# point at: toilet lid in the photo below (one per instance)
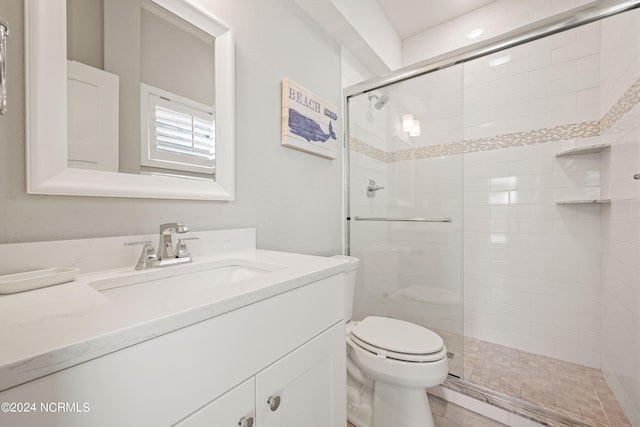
(401, 340)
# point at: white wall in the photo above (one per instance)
(190, 71)
(620, 67)
(369, 21)
(84, 26)
(361, 27)
(291, 197)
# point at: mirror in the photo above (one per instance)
(52, 158)
(145, 78)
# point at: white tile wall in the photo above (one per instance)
(526, 259)
(546, 83)
(620, 62)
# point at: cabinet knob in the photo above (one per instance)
(274, 402)
(246, 422)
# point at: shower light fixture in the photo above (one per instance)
(410, 125)
(407, 122)
(415, 130)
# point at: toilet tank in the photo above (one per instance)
(349, 284)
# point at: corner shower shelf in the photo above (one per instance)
(582, 201)
(588, 149)
(583, 150)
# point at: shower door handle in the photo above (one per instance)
(372, 188)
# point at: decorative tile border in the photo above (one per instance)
(630, 99)
(368, 150)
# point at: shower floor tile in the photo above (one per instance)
(571, 390)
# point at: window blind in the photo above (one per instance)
(184, 134)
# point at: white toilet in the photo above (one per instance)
(390, 363)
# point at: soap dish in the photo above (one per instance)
(29, 280)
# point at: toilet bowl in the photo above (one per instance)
(390, 363)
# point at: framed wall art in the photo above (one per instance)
(308, 121)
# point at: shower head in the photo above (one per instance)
(381, 100)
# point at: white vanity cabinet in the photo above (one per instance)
(214, 373)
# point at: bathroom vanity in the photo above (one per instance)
(238, 337)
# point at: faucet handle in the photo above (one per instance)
(181, 247)
(146, 255)
(147, 249)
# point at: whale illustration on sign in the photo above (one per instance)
(308, 128)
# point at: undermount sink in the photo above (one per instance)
(182, 279)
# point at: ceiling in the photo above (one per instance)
(410, 17)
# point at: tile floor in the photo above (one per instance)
(574, 391)
(446, 414)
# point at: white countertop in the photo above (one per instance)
(49, 329)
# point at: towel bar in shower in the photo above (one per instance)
(374, 218)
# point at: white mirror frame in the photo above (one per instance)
(46, 114)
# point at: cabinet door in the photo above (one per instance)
(306, 387)
(234, 408)
(92, 117)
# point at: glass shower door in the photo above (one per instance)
(405, 204)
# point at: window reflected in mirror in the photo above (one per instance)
(140, 90)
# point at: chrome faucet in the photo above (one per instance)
(165, 247)
(167, 254)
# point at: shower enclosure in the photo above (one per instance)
(482, 195)
(405, 208)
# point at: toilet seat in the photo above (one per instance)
(396, 339)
